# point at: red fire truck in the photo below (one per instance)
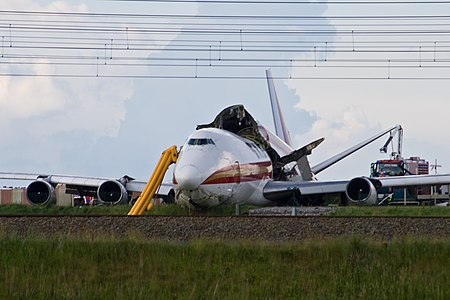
(399, 166)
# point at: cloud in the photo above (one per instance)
(349, 111)
(342, 128)
(69, 121)
(24, 97)
(33, 5)
(36, 111)
(74, 125)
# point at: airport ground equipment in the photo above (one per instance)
(396, 165)
(399, 167)
(144, 202)
(398, 130)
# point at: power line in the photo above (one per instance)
(223, 60)
(175, 23)
(214, 63)
(211, 16)
(207, 28)
(224, 31)
(247, 49)
(89, 41)
(359, 2)
(81, 40)
(197, 77)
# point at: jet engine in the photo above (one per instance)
(41, 192)
(112, 192)
(362, 191)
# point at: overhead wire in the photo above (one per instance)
(105, 38)
(223, 16)
(221, 77)
(278, 2)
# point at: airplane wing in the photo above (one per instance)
(54, 179)
(362, 190)
(409, 180)
(111, 191)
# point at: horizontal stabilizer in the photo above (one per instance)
(297, 154)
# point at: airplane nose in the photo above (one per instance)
(188, 177)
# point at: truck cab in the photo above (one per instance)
(401, 167)
(387, 167)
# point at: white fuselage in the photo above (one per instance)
(216, 166)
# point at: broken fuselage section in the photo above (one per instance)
(227, 161)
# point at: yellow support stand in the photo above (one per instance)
(144, 202)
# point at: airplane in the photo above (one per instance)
(234, 159)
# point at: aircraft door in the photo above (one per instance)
(237, 173)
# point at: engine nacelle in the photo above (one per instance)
(362, 191)
(112, 192)
(41, 192)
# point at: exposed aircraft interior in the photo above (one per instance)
(238, 120)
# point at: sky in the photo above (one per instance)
(109, 127)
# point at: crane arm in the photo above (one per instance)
(398, 130)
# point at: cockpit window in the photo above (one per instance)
(255, 148)
(200, 142)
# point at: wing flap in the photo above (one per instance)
(138, 186)
(278, 190)
(20, 176)
(76, 180)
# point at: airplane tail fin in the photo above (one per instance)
(280, 126)
(281, 129)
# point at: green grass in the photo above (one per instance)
(104, 268)
(17, 209)
(166, 209)
(223, 210)
(394, 211)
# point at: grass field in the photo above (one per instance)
(103, 268)
(395, 211)
(224, 210)
(170, 209)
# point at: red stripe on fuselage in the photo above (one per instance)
(241, 173)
